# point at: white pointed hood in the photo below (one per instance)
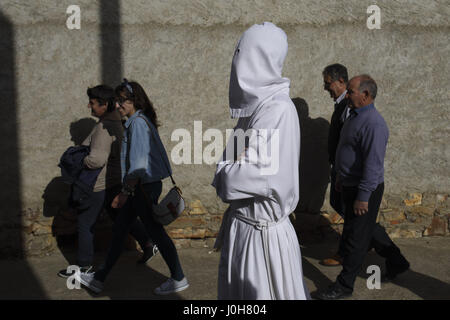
(256, 68)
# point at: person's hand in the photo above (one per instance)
(119, 200)
(360, 207)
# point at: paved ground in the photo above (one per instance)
(35, 278)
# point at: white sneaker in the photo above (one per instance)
(87, 279)
(65, 273)
(171, 286)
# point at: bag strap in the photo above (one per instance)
(152, 134)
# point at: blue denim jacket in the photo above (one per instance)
(142, 152)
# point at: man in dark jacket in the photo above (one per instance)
(335, 80)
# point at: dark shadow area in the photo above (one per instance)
(130, 281)
(12, 241)
(315, 275)
(64, 225)
(110, 36)
(80, 130)
(9, 161)
(126, 281)
(317, 249)
(426, 287)
(314, 169)
(56, 195)
(314, 166)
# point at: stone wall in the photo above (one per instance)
(180, 51)
(419, 215)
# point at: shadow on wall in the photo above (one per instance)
(12, 240)
(314, 166)
(80, 130)
(110, 36)
(56, 194)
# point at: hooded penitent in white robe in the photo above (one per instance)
(260, 257)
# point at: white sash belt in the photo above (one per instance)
(264, 226)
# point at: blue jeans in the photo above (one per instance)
(138, 206)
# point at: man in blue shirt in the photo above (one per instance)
(360, 178)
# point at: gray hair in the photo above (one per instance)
(368, 84)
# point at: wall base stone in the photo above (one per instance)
(32, 234)
(419, 215)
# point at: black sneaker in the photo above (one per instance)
(334, 292)
(65, 274)
(149, 253)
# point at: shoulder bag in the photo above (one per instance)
(172, 205)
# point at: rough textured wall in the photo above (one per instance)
(181, 51)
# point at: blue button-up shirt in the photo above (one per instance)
(143, 155)
(361, 150)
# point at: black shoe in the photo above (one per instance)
(64, 274)
(392, 271)
(333, 292)
(149, 253)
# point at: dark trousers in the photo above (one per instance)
(335, 199)
(137, 229)
(88, 217)
(360, 234)
(138, 206)
(86, 222)
(335, 196)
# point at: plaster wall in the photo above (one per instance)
(180, 51)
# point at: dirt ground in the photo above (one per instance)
(36, 278)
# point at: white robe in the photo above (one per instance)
(260, 257)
